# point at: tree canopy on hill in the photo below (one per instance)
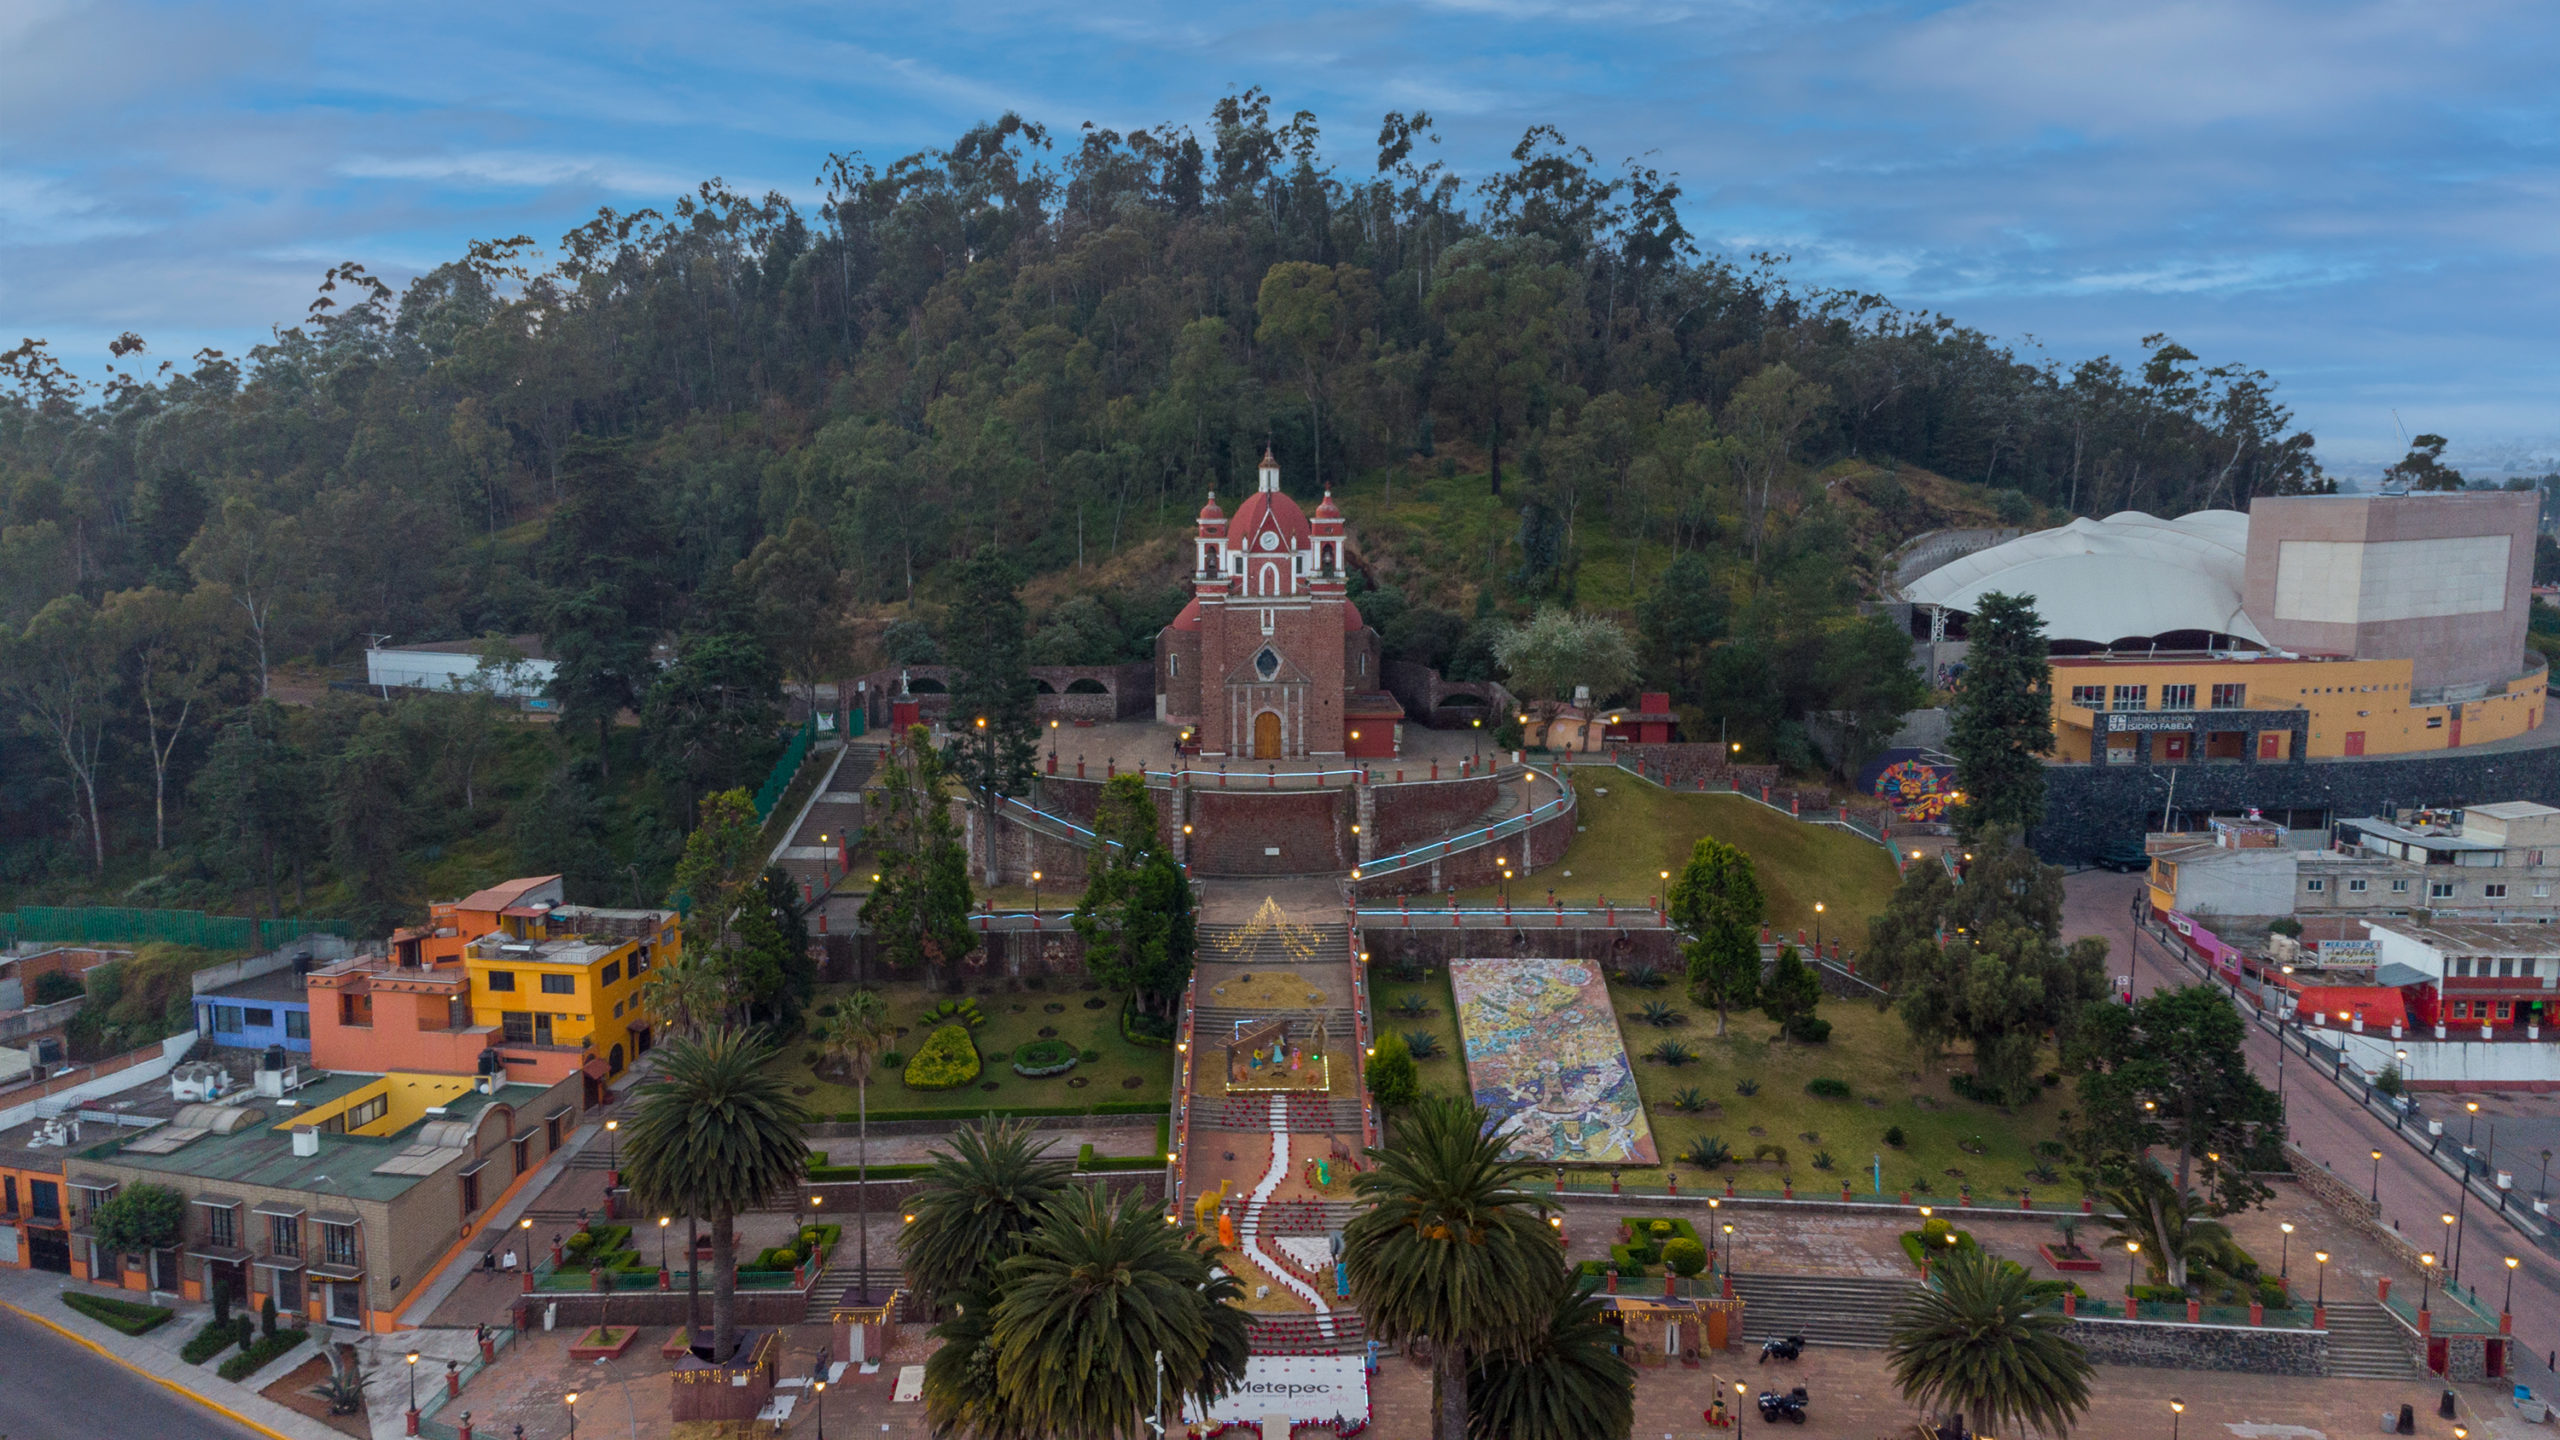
(725, 425)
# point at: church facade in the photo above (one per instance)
(1271, 659)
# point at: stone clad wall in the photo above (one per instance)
(1231, 830)
(1420, 810)
(2170, 1346)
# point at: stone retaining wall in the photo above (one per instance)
(2166, 1345)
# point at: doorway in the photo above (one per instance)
(49, 1250)
(1266, 735)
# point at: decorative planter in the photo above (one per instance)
(603, 1343)
(2082, 1263)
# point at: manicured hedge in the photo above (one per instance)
(1091, 1163)
(216, 1337)
(254, 1358)
(947, 1060)
(876, 1172)
(1007, 1112)
(125, 1315)
(1043, 1058)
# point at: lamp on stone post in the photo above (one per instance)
(1817, 929)
(2506, 1306)
(2284, 1262)
(663, 1221)
(1035, 892)
(612, 1154)
(2376, 1196)
(2132, 1251)
(2452, 1238)
(2426, 1284)
(2320, 1302)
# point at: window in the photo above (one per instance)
(559, 984)
(2524, 968)
(2461, 966)
(221, 1226)
(2494, 892)
(2177, 697)
(2230, 697)
(2315, 886)
(2435, 722)
(258, 1017)
(1173, 664)
(44, 1202)
(613, 973)
(2542, 890)
(2132, 697)
(2461, 1009)
(226, 1019)
(517, 1027)
(502, 980)
(2506, 969)
(1266, 663)
(2355, 887)
(359, 1116)
(639, 962)
(288, 1289)
(2092, 696)
(284, 1235)
(471, 1186)
(2439, 889)
(297, 1024)
(9, 1196)
(524, 1153)
(338, 1244)
(2399, 887)
(617, 1009)
(2506, 1009)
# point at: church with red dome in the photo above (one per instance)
(1271, 659)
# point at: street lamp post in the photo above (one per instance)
(2284, 1262)
(612, 1153)
(1035, 892)
(1817, 929)
(2426, 1279)
(524, 1229)
(818, 1386)
(412, 1358)
(2377, 1177)
(2132, 1252)
(2177, 1412)
(1475, 739)
(572, 1398)
(662, 1242)
(2321, 1259)
(2507, 1305)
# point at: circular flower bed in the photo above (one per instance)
(1043, 1058)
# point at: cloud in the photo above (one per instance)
(521, 170)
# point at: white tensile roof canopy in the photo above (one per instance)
(2128, 576)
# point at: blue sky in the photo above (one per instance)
(2362, 198)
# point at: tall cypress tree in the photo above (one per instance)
(992, 705)
(2003, 721)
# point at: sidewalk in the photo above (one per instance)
(34, 1294)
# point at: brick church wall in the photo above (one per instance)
(1231, 829)
(1416, 811)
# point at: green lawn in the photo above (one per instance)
(1012, 1022)
(1638, 830)
(1868, 1049)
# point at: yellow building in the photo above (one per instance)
(569, 976)
(2166, 708)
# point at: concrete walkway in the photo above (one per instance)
(34, 1295)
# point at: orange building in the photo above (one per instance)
(2168, 708)
(553, 988)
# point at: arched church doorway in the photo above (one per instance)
(1266, 735)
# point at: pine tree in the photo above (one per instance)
(1718, 902)
(2002, 724)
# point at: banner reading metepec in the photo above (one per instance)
(1309, 1389)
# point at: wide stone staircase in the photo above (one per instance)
(2367, 1344)
(841, 1278)
(1274, 946)
(1824, 1309)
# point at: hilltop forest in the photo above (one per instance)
(751, 441)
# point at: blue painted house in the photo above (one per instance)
(256, 1013)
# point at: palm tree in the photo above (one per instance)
(685, 994)
(1109, 1316)
(1980, 1341)
(1569, 1384)
(981, 1197)
(2178, 1238)
(1450, 1250)
(853, 1038)
(716, 1134)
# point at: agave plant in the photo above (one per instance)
(1689, 1100)
(1671, 1052)
(1659, 1015)
(1822, 1160)
(1707, 1152)
(1412, 1006)
(1422, 1043)
(1746, 1086)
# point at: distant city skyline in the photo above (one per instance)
(2357, 198)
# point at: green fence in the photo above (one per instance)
(786, 767)
(125, 925)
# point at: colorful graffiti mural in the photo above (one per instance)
(1915, 783)
(1544, 1057)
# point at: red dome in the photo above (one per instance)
(1328, 510)
(1211, 511)
(1282, 513)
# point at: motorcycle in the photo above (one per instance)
(1785, 1348)
(1790, 1406)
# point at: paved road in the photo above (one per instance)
(51, 1389)
(2329, 1126)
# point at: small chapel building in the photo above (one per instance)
(1271, 659)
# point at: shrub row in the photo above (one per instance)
(216, 1337)
(125, 1315)
(254, 1357)
(1007, 1112)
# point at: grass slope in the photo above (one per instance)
(1637, 830)
(1890, 1086)
(1013, 1021)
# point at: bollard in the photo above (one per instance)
(465, 1427)
(1275, 777)
(452, 1381)
(2384, 1290)
(1435, 769)
(2070, 1305)
(1079, 767)
(2257, 1313)
(2195, 1310)
(1613, 1282)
